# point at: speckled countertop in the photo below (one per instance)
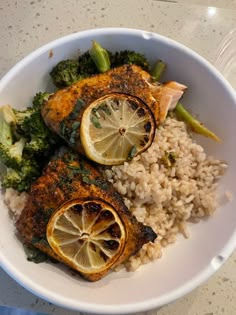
(27, 24)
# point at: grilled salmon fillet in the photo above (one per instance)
(65, 108)
(68, 177)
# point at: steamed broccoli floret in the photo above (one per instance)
(31, 126)
(26, 144)
(10, 151)
(20, 172)
(87, 66)
(65, 73)
(129, 57)
(11, 156)
(93, 61)
(39, 99)
(21, 115)
(21, 179)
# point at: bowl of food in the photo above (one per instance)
(117, 171)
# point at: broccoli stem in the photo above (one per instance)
(7, 117)
(100, 57)
(158, 70)
(193, 123)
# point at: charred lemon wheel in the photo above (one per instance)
(87, 235)
(115, 128)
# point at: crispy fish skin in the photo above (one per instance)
(63, 180)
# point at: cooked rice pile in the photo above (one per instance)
(173, 182)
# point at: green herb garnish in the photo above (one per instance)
(76, 110)
(97, 182)
(75, 125)
(105, 108)
(95, 122)
(78, 170)
(35, 255)
(168, 159)
(132, 153)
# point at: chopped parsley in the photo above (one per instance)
(35, 255)
(168, 159)
(104, 108)
(69, 127)
(76, 110)
(79, 170)
(132, 153)
(95, 122)
(97, 182)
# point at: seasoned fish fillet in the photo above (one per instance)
(68, 177)
(63, 111)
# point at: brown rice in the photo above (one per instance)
(167, 196)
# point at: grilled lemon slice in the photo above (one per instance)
(88, 235)
(115, 128)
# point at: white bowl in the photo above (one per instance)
(187, 263)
